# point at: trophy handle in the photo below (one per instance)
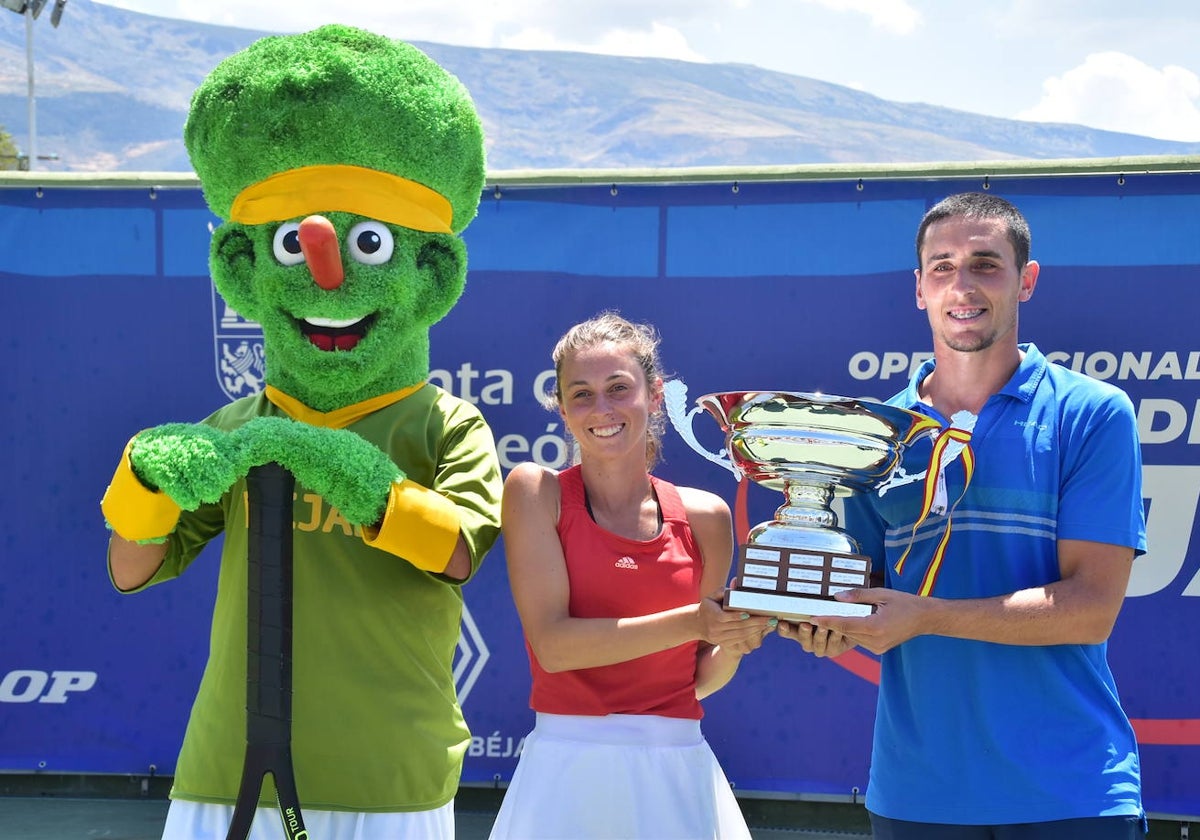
(675, 398)
(963, 421)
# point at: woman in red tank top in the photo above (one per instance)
(617, 576)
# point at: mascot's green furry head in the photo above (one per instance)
(344, 165)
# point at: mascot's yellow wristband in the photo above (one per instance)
(419, 524)
(135, 511)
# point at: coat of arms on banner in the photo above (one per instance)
(238, 348)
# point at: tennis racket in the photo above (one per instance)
(268, 653)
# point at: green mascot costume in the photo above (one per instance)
(344, 166)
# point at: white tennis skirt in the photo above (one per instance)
(204, 821)
(618, 777)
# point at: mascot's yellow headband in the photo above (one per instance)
(351, 189)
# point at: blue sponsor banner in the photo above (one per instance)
(789, 285)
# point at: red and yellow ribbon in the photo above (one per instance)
(936, 466)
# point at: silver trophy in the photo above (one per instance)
(813, 448)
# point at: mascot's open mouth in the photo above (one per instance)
(335, 334)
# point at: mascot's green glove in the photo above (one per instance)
(396, 515)
(350, 473)
(179, 466)
(165, 469)
(190, 462)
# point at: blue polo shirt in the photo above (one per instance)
(974, 732)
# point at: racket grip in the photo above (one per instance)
(269, 490)
(269, 603)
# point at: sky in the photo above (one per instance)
(1120, 65)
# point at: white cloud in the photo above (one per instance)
(894, 16)
(1117, 92)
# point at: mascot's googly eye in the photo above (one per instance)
(370, 243)
(287, 244)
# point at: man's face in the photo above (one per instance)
(970, 285)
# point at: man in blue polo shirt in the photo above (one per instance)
(1005, 566)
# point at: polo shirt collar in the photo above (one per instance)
(1021, 385)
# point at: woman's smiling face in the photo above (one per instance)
(606, 401)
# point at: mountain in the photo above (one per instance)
(112, 90)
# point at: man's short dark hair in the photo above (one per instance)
(974, 205)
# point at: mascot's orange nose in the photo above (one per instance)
(322, 252)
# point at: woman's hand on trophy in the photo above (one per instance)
(731, 630)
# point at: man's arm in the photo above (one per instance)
(1079, 608)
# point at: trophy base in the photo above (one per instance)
(790, 607)
(797, 582)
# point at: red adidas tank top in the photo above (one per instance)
(615, 577)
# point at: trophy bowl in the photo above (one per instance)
(813, 448)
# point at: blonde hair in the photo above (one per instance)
(641, 340)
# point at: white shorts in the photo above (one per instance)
(618, 776)
(204, 821)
